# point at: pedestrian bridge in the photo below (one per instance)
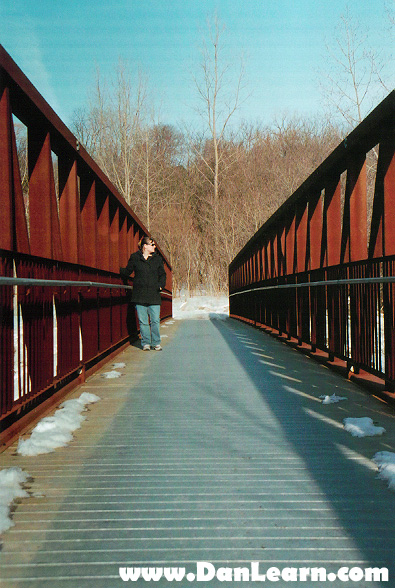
(217, 449)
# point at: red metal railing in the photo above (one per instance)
(317, 272)
(75, 228)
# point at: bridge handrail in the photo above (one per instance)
(383, 280)
(72, 283)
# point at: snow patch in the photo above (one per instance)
(362, 427)
(11, 480)
(111, 375)
(332, 399)
(385, 461)
(201, 307)
(56, 430)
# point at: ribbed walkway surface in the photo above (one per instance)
(217, 450)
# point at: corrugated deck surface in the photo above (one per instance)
(216, 449)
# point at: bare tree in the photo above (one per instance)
(354, 77)
(160, 146)
(390, 12)
(202, 203)
(221, 98)
(111, 126)
(388, 81)
(221, 95)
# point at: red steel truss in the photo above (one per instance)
(77, 228)
(317, 273)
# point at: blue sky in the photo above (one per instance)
(59, 43)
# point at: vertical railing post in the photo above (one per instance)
(45, 240)
(302, 294)
(14, 232)
(67, 300)
(356, 247)
(103, 233)
(385, 243)
(332, 247)
(6, 171)
(317, 296)
(356, 210)
(7, 241)
(332, 222)
(89, 221)
(69, 211)
(281, 236)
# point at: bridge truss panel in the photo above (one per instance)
(63, 221)
(334, 291)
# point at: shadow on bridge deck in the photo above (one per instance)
(216, 449)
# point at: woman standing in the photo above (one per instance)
(149, 280)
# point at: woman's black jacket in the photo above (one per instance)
(149, 277)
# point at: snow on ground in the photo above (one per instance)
(385, 461)
(362, 427)
(11, 480)
(201, 307)
(56, 431)
(332, 399)
(112, 374)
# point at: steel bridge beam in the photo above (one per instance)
(320, 236)
(63, 225)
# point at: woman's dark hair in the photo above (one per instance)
(145, 241)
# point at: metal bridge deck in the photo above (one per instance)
(216, 449)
